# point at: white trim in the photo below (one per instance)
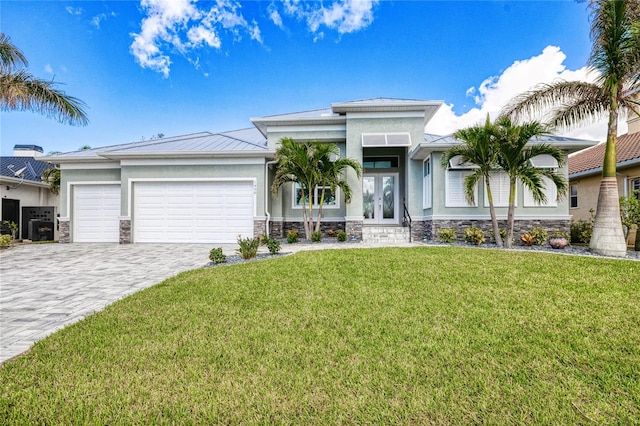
(91, 166)
(354, 218)
(427, 185)
(499, 217)
(309, 128)
(133, 180)
(193, 161)
(324, 219)
(387, 114)
(70, 194)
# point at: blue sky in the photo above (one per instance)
(180, 66)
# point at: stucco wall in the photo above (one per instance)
(441, 210)
(589, 187)
(68, 176)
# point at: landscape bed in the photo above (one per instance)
(421, 335)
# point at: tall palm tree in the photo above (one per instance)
(310, 165)
(21, 91)
(615, 56)
(514, 155)
(331, 168)
(478, 148)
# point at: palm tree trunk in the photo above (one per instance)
(608, 237)
(494, 219)
(305, 219)
(320, 204)
(511, 213)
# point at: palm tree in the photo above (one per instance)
(51, 176)
(21, 91)
(310, 165)
(331, 168)
(478, 148)
(514, 157)
(615, 56)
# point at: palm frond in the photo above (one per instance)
(21, 91)
(10, 56)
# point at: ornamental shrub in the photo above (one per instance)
(474, 235)
(273, 245)
(5, 240)
(581, 232)
(316, 236)
(216, 255)
(342, 236)
(292, 236)
(447, 235)
(527, 239)
(540, 235)
(248, 247)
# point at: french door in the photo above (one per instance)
(380, 198)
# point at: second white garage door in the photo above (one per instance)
(198, 212)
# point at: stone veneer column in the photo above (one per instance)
(276, 228)
(259, 227)
(65, 236)
(125, 230)
(354, 227)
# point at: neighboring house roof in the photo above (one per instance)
(31, 168)
(589, 161)
(243, 141)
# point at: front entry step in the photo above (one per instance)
(385, 234)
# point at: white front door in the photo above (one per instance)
(380, 198)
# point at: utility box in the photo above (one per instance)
(40, 230)
(45, 214)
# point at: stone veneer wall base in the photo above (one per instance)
(432, 227)
(64, 226)
(125, 231)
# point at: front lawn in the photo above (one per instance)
(425, 335)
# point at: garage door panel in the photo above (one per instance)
(96, 213)
(192, 211)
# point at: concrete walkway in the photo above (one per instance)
(45, 287)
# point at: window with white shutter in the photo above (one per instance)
(499, 190)
(549, 190)
(455, 189)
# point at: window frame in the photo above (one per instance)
(635, 186)
(427, 189)
(316, 196)
(573, 196)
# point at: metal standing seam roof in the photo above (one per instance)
(249, 139)
(627, 150)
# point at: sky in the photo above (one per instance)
(176, 67)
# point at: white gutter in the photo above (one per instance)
(266, 194)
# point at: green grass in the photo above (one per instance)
(428, 335)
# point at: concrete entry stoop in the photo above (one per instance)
(385, 234)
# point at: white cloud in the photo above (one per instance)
(182, 25)
(344, 16)
(97, 20)
(494, 92)
(48, 69)
(74, 10)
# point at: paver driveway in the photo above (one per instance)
(44, 287)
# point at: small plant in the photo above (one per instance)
(331, 233)
(5, 240)
(217, 256)
(273, 245)
(341, 236)
(559, 240)
(292, 236)
(447, 235)
(248, 247)
(581, 230)
(13, 227)
(316, 236)
(527, 239)
(474, 235)
(264, 239)
(541, 235)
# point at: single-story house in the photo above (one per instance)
(25, 197)
(213, 187)
(585, 171)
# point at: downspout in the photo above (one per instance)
(625, 186)
(266, 194)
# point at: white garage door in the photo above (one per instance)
(96, 209)
(199, 212)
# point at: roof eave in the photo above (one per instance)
(598, 170)
(13, 180)
(115, 155)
